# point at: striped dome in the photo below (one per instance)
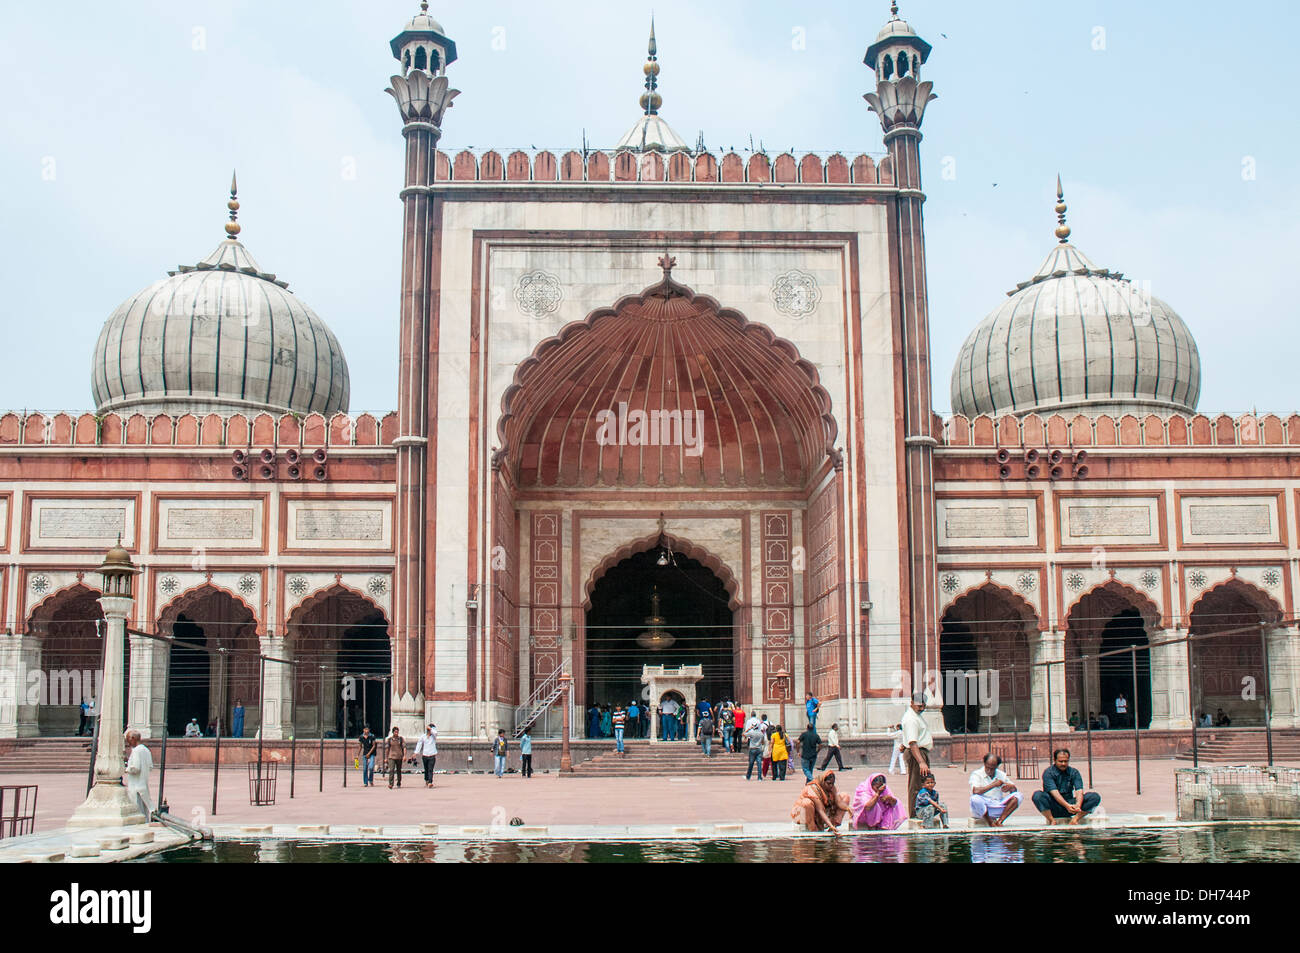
(1077, 337)
(223, 336)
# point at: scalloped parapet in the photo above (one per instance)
(188, 430)
(728, 168)
(1128, 430)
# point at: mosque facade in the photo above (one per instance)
(654, 375)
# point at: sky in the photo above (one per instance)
(1174, 131)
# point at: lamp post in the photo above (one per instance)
(783, 679)
(566, 757)
(107, 804)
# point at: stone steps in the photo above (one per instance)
(47, 756)
(672, 759)
(1245, 746)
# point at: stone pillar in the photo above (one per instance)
(147, 687)
(1284, 676)
(1050, 646)
(20, 656)
(277, 690)
(1170, 683)
(108, 804)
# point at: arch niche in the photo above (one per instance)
(698, 599)
(1234, 612)
(667, 393)
(1110, 618)
(71, 656)
(211, 619)
(988, 628)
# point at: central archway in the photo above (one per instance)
(697, 608)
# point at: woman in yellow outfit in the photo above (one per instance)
(780, 753)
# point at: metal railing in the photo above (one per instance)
(542, 698)
(17, 809)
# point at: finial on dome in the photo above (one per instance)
(424, 6)
(1062, 230)
(893, 10)
(232, 226)
(651, 100)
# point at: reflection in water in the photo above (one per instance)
(1220, 844)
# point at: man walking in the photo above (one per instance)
(917, 743)
(833, 747)
(395, 754)
(757, 738)
(526, 754)
(706, 734)
(634, 719)
(427, 749)
(499, 747)
(812, 706)
(809, 742)
(368, 744)
(620, 725)
(728, 725)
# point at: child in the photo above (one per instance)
(929, 809)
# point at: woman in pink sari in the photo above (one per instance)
(875, 808)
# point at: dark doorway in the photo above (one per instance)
(957, 653)
(694, 603)
(1115, 672)
(190, 679)
(366, 650)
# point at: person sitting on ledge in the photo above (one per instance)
(993, 798)
(874, 807)
(192, 730)
(1103, 721)
(1221, 719)
(1074, 721)
(1062, 795)
(1205, 721)
(820, 807)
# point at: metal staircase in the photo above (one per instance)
(542, 698)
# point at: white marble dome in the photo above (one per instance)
(1079, 338)
(218, 336)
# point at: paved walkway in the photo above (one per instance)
(550, 800)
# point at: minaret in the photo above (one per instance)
(899, 101)
(423, 95)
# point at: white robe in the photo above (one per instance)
(138, 769)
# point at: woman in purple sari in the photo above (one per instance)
(875, 808)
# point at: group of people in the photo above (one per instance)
(993, 797)
(394, 755)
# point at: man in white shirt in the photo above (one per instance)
(1121, 711)
(668, 727)
(896, 756)
(917, 743)
(192, 730)
(993, 798)
(427, 748)
(139, 764)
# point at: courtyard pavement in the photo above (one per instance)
(551, 800)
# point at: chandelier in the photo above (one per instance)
(656, 638)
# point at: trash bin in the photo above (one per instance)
(261, 782)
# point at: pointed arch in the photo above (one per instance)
(987, 628)
(762, 414)
(678, 544)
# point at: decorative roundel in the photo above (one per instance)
(795, 293)
(950, 583)
(248, 584)
(40, 583)
(538, 293)
(1075, 581)
(1150, 579)
(297, 586)
(1271, 578)
(169, 584)
(377, 586)
(1026, 582)
(1196, 579)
